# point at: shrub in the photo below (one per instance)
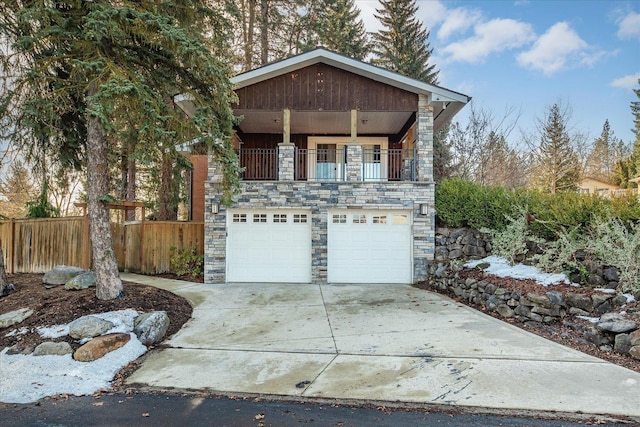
(618, 244)
(461, 203)
(185, 261)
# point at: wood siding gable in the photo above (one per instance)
(322, 87)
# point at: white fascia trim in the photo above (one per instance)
(348, 64)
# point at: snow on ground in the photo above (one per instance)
(500, 267)
(30, 378)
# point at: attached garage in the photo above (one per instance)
(269, 246)
(369, 247)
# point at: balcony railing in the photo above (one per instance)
(330, 164)
(260, 164)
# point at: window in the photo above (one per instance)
(279, 218)
(359, 219)
(239, 217)
(259, 217)
(300, 218)
(339, 219)
(400, 219)
(379, 219)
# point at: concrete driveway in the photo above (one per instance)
(374, 342)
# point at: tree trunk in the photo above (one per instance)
(264, 33)
(131, 179)
(5, 287)
(166, 209)
(108, 283)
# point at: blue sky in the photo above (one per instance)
(529, 54)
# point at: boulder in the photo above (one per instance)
(556, 298)
(622, 344)
(541, 300)
(616, 323)
(583, 302)
(635, 352)
(98, 347)
(505, 311)
(150, 328)
(88, 327)
(48, 348)
(60, 275)
(15, 316)
(81, 281)
(634, 337)
(611, 274)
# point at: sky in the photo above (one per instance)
(526, 55)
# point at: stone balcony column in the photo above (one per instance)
(286, 155)
(354, 162)
(424, 141)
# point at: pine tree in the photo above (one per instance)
(601, 160)
(556, 164)
(634, 167)
(339, 28)
(17, 188)
(79, 66)
(402, 44)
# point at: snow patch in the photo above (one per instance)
(605, 290)
(20, 331)
(590, 319)
(28, 378)
(500, 267)
(630, 298)
(55, 331)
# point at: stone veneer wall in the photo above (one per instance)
(321, 197)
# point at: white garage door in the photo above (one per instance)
(269, 246)
(369, 247)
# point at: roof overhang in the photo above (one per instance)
(446, 103)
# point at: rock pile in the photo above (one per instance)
(94, 333)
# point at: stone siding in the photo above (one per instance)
(321, 197)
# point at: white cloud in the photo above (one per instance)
(490, 37)
(431, 12)
(458, 21)
(627, 82)
(560, 47)
(629, 26)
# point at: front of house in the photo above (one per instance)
(338, 175)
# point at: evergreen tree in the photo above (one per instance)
(18, 188)
(402, 44)
(601, 161)
(556, 164)
(634, 167)
(79, 65)
(339, 28)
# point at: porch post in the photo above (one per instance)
(354, 125)
(354, 162)
(424, 140)
(286, 153)
(286, 126)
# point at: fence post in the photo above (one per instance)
(142, 243)
(11, 246)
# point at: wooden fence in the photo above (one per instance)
(38, 245)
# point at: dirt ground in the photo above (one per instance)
(569, 332)
(57, 306)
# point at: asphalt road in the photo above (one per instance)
(181, 410)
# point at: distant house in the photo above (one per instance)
(588, 185)
(338, 175)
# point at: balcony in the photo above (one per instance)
(343, 164)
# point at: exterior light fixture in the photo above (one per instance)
(424, 209)
(215, 208)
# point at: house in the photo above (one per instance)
(338, 183)
(589, 185)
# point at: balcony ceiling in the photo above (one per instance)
(324, 122)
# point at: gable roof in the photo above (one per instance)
(446, 102)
